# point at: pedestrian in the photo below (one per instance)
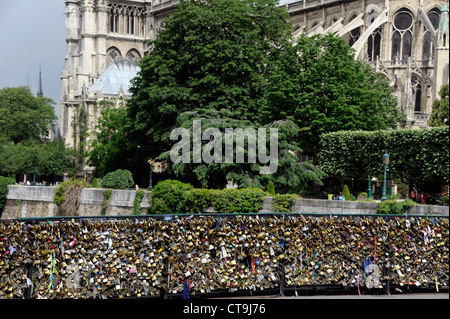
(424, 198)
(413, 195)
(341, 197)
(419, 197)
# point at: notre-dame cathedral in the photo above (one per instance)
(406, 41)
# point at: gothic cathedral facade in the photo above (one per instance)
(406, 41)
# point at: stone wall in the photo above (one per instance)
(35, 202)
(335, 207)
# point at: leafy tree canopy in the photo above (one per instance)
(25, 121)
(108, 147)
(233, 63)
(43, 158)
(211, 54)
(23, 116)
(322, 88)
(440, 108)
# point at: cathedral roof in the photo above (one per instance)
(117, 77)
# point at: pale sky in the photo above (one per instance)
(32, 33)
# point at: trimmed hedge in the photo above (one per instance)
(175, 197)
(392, 207)
(169, 197)
(230, 201)
(418, 156)
(120, 179)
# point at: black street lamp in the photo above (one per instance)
(385, 162)
(150, 183)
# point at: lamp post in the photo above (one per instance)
(369, 190)
(385, 162)
(150, 184)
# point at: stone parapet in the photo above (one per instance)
(37, 201)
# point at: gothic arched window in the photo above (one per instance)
(113, 55)
(434, 18)
(374, 44)
(130, 23)
(417, 93)
(354, 36)
(133, 56)
(402, 37)
(427, 45)
(113, 22)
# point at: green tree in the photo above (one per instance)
(211, 54)
(107, 151)
(25, 121)
(43, 158)
(232, 63)
(20, 158)
(290, 175)
(54, 158)
(23, 116)
(440, 108)
(212, 61)
(320, 86)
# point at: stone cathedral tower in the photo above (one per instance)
(102, 34)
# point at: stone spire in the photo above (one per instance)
(40, 93)
(442, 35)
(441, 60)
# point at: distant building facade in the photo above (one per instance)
(406, 41)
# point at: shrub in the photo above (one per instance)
(4, 182)
(282, 203)
(137, 202)
(444, 199)
(169, 197)
(95, 183)
(346, 193)
(363, 194)
(239, 201)
(271, 189)
(392, 207)
(229, 201)
(172, 197)
(200, 198)
(120, 179)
